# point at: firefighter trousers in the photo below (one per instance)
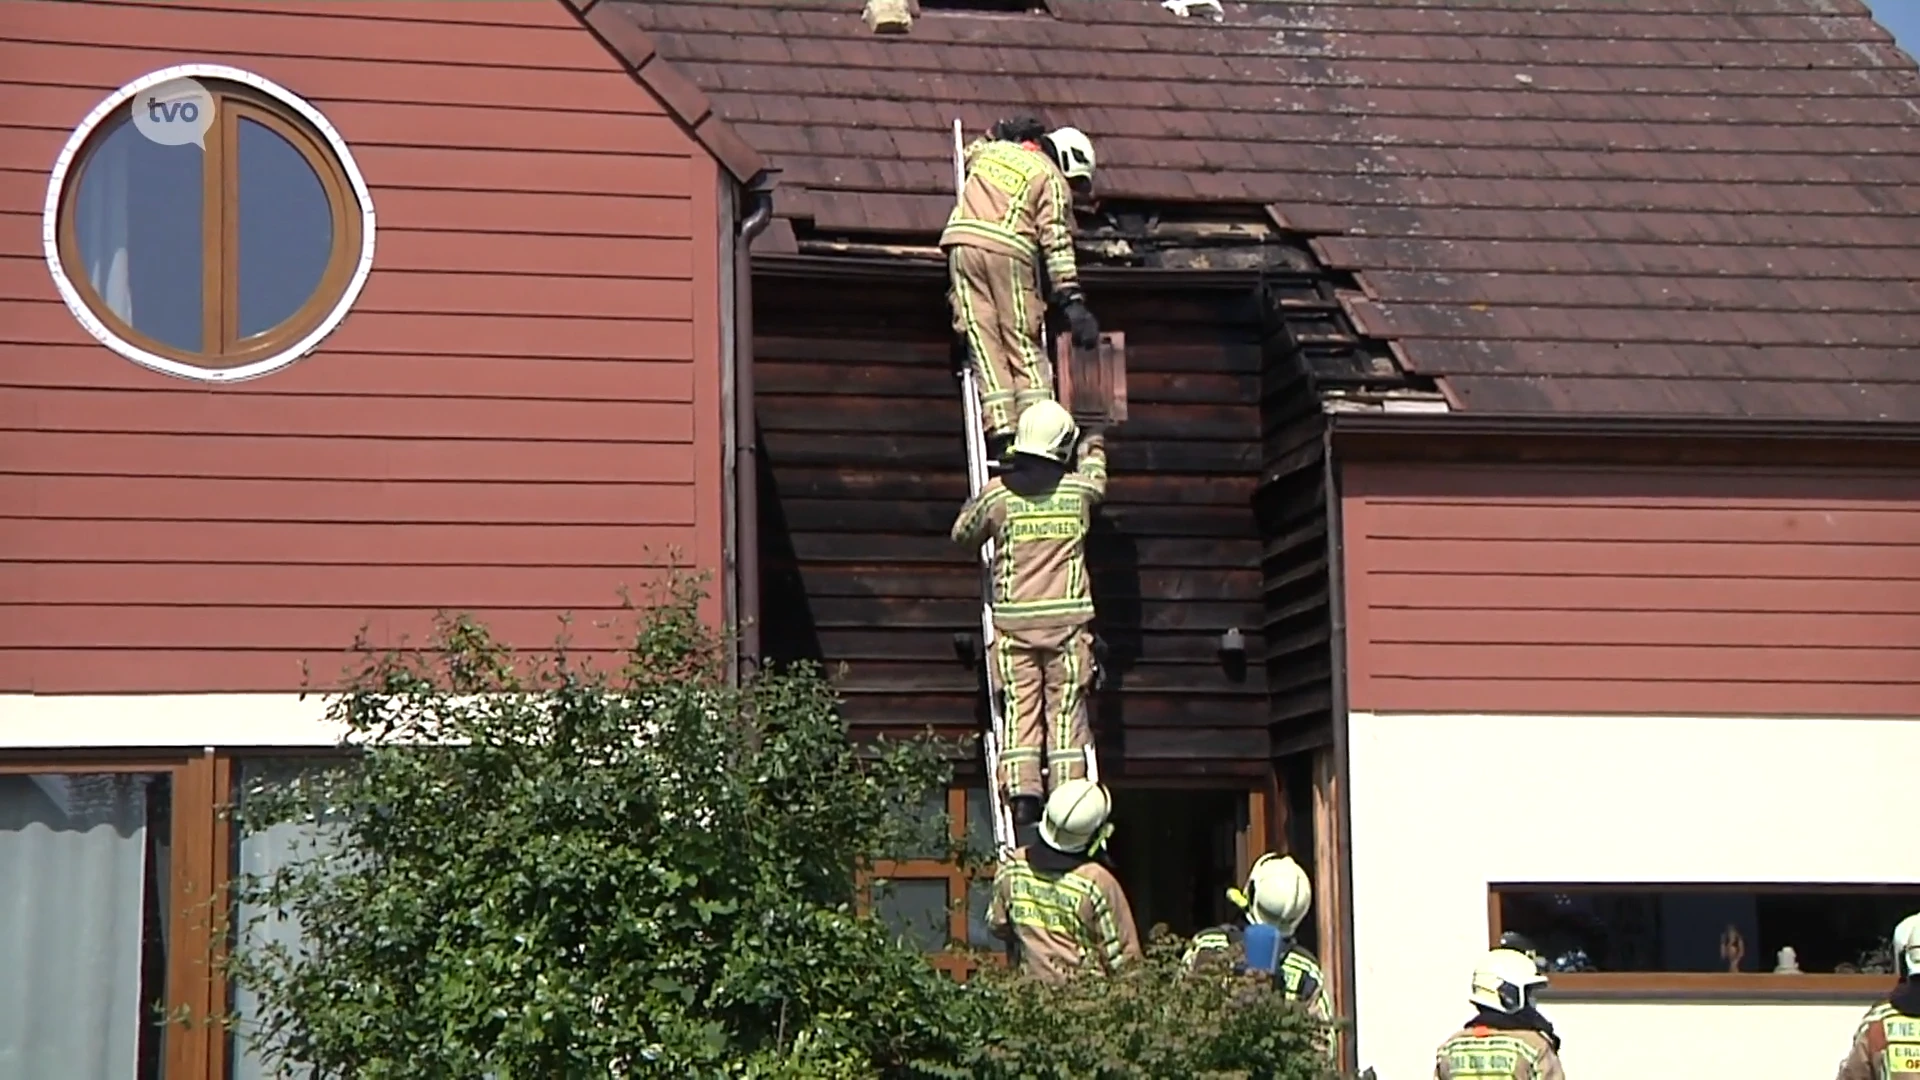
(998, 310)
(1043, 678)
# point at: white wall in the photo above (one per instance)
(39, 721)
(1444, 805)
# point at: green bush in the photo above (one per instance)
(1149, 1021)
(544, 873)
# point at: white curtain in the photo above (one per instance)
(263, 851)
(103, 207)
(72, 881)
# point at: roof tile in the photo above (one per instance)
(1675, 206)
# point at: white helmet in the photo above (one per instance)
(1073, 152)
(1278, 892)
(1506, 980)
(1046, 431)
(1906, 948)
(1076, 816)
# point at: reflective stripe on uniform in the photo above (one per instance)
(1483, 1054)
(1901, 1058)
(1052, 904)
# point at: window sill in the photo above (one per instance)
(1713, 986)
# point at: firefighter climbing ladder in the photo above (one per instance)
(1003, 837)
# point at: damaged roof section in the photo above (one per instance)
(1682, 207)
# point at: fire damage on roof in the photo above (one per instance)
(1705, 208)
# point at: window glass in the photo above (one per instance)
(915, 909)
(261, 848)
(979, 898)
(137, 221)
(979, 824)
(1831, 930)
(285, 229)
(929, 830)
(83, 863)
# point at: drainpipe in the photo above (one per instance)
(746, 455)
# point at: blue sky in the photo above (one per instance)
(1902, 20)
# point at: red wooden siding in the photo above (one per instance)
(521, 414)
(1646, 591)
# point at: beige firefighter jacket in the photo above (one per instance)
(1482, 1053)
(1016, 201)
(1040, 544)
(1886, 1046)
(1062, 913)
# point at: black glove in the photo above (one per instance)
(1086, 329)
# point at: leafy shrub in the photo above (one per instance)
(1151, 1020)
(539, 872)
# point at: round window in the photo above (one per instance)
(208, 224)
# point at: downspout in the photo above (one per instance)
(1342, 770)
(746, 434)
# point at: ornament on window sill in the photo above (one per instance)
(1789, 961)
(1733, 947)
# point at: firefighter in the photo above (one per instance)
(1278, 894)
(1009, 246)
(1054, 903)
(1038, 514)
(1887, 1044)
(1507, 1039)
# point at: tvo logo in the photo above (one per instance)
(174, 113)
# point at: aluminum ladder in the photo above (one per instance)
(1003, 835)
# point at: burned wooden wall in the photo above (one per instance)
(863, 470)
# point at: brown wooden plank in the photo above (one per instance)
(528, 13)
(1654, 592)
(908, 416)
(532, 253)
(937, 517)
(129, 498)
(1886, 562)
(326, 459)
(173, 671)
(897, 676)
(931, 378)
(1707, 522)
(270, 32)
(1597, 691)
(1779, 666)
(455, 291)
(269, 584)
(1745, 629)
(853, 613)
(1241, 743)
(1124, 490)
(882, 550)
(183, 542)
(935, 645)
(330, 372)
(265, 413)
(40, 324)
(294, 629)
(659, 217)
(344, 77)
(525, 170)
(958, 709)
(1695, 486)
(427, 292)
(961, 581)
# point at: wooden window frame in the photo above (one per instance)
(962, 957)
(222, 348)
(196, 882)
(1727, 985)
